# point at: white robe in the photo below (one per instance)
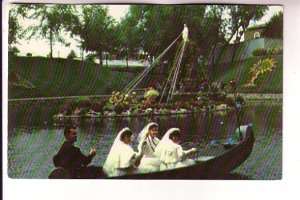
(173, 156)
(170, 154)
(149, 162)
(122, 163)
(121, 158)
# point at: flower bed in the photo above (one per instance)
(210, 98)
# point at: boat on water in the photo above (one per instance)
(216, 164)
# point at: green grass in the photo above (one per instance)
(267, 83)
(61, 77)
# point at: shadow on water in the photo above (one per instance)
(235, 176)
(230, 176)
(33, 139)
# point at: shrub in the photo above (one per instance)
(269, 51)
(72, 55)
(13, 51)
(259, 52)
(90, 57)
(151, 94)
(274, 51)
(98, 105)
(274, 28)
(120, 107)
(29, 54)
(83, 102)
(67, 107)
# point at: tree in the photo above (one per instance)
(129, 33)
(152, 28)
(52, 20)
(14, 28)
(13, 51)
(71, 55)
(95, 29)
(239, 20)
(91, 57)
(274, 28)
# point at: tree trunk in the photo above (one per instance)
(82, 54)
(82, 50)
(106, 57)
(51, 43)
(100, 58)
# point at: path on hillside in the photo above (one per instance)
(55, 98)
(246, 96)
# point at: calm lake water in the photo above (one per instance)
(33, 139)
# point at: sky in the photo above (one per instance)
(34, 46)
(117, 11)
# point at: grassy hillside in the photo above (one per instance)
(271, 82)
(61, 77)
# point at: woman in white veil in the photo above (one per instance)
(170, 153)
(147, 138)
(122, 159)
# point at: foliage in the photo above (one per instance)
(29, 54)
(259, 52)
(269, 51)
(83, 102)
(13, 27)
(151, 94)
(261, 67)
(15, 30)
(13, 51)
(144, 29)
(120, 101)
(90, 57)
(95, 28)
(211, 94)
(72, 54)
(67, 107)
(274, 28)
(97, 105)
(274, 51)
(239, 19)
(52, 20)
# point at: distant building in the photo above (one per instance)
(254, 32)
(253, 39)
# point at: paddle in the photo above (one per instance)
(237, 106)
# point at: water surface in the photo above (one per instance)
(33, 139)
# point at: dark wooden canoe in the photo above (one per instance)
(217, 167)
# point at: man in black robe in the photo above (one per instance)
(72, 159)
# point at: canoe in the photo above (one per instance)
(206, 167)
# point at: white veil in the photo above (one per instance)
(143, 134)
(165, 141)
(118, 155)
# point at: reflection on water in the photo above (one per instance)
(33, 140)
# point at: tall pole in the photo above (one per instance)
(236, 105)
